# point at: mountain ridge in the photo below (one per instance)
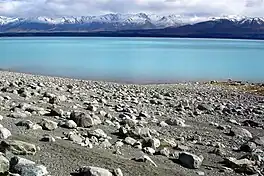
(137, 25)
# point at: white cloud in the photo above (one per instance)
(95, 7)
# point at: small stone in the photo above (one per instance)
(4, 164)
(75, 138)
(176, 122)
(18, 115)
(163, 124)
(29, 125)
(240, 132)
(92, 108)
(4, 133)
(47, 138)
(106, 144)
(119, 144)
(1, 117)
(144, 158)
(99, 133)
(70, 124)
(200, 173)
(94, 171)
(149, 150)
(48, 125)
(190, 160)
(165, 152)
(130, 141)
(118, 172)
(182, 148)
(248, 147)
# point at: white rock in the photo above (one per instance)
(94, 171)
(4, 133)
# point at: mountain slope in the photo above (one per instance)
(136, 25)
(109, 22)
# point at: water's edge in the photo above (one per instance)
(131, 81)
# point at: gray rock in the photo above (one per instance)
(26, 167)
(47, 138)
(75, 138)
(99, 133)
(248, 147)
(163, 124)
(259, 141)
(4, 164)
(29, 125)
(118, 172)
(176, 122)
(18, 147)
(130, 141)
(70, 124)
(149, 150)
(144, 158)
(165, 152)
(241, 165)
(204, 107)
(82, 119)
(190, 161)
(1, 117)
(18, 115)
(240, 132)
(94, 171)
(91, 108)
(48, 124)
(4, 133)
(105, 144)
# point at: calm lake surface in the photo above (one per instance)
(135, 59)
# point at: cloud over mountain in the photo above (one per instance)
(96, 7)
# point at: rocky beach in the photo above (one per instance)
(61, 126)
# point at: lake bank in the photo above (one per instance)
(179, 117)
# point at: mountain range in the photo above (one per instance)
(140, 24)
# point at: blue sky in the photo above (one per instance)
(96, 7)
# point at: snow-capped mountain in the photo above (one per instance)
(117, 22)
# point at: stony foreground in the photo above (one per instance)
(58, 126)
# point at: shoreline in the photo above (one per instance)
(144, 81)
(91, 35)
(141, 129)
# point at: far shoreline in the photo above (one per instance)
(135, 34)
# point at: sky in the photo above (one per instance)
(26, 8)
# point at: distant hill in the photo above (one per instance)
(131, 25)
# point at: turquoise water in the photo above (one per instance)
(135, 58)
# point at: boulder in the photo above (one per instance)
(18, 147)
(26, 167)
(190, 160)
(82, 119)
(240, 165)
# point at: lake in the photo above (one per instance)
(135, 59)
